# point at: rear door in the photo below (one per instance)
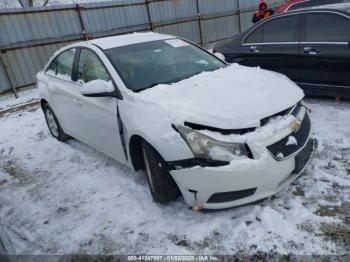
(64, 91)
(325, 53)
(274, 46)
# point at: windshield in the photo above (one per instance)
(145, 65)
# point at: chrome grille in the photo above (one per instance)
(281, 150)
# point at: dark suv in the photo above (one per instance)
(310, 46)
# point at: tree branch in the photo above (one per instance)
(20, 2)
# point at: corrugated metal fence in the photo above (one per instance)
(28, 37)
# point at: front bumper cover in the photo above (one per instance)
(246, 181)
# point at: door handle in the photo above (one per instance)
(255, 49)
(311, 50)
(77, 101)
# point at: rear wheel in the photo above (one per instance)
(162, 186)
(53, 124)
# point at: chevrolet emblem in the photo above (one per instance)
(296, 126)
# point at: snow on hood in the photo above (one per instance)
(233, 97)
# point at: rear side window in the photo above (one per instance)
(277, 30)
(281, 30)
(52, 66)
(91, 68)
(62, 65)
(326, 28)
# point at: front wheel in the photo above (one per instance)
(162, 186)
(53, 124)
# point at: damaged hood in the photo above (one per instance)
(233, 97)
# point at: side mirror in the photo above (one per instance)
(98, 88)
(220, 56)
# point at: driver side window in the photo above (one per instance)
(91, 68)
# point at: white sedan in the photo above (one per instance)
(222, 135)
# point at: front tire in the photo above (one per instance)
(53, 124)
(161, 184)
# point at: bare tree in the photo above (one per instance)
(31, 3)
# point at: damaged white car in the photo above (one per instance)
(222, 135)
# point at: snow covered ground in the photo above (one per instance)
(58, 198)
(9, 100)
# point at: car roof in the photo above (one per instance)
(338, 6)
(342, 7)
(128, 39)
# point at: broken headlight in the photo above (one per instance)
(205, 147)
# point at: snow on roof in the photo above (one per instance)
(128, 39)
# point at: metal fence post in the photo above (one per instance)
(199, 17)
(149, 15)
(239, 17)
(7, 75)
(77, 8)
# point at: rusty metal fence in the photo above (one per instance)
(28, 37)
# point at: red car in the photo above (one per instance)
(290, 5)
(287, 5)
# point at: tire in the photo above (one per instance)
(161, 184)
(53, 124)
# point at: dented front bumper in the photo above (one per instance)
(229, 186)
(248, 180)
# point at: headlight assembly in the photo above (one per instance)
(205, 147)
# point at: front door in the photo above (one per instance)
(274, 45)
(325, 53)
(98, 120)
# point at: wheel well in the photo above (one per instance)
(43, 102)
(135, 147)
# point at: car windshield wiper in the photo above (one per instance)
(169, 82)
(150, 86)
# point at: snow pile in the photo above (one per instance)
(292, 141)
(95, 86)
(129, 39)
(274, 125)
(280, 155)
(220, 153)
